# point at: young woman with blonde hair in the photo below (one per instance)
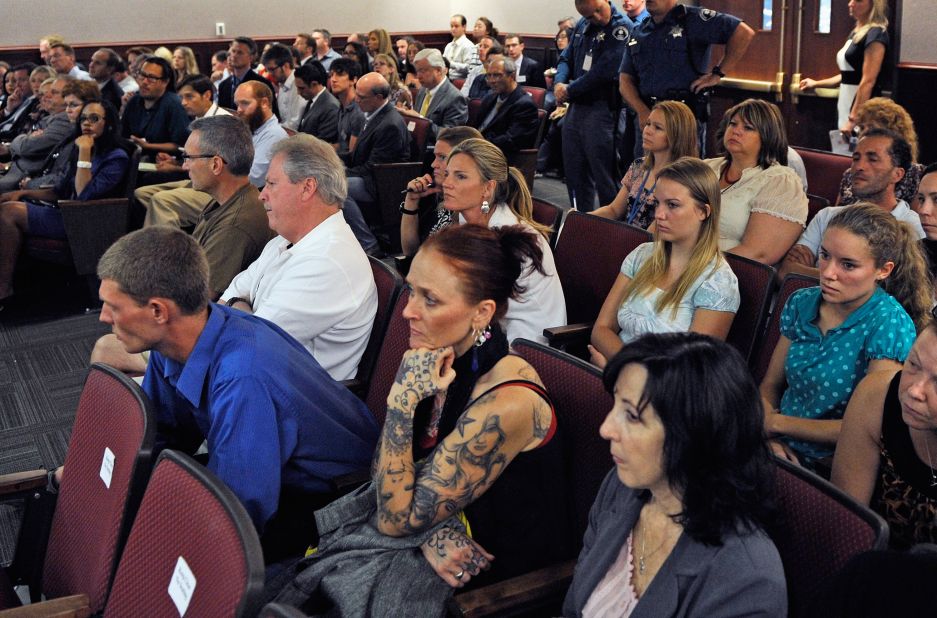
(679, 282)
(669, 134)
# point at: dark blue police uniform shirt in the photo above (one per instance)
(605, 45)
(658, 55)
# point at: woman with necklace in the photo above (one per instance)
(670, 133)
(886, 451)
(679, 282)
(874, 288)
(764, 207)
(678, 526)
(860, 62)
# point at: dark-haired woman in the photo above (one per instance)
(678, 526)
(469, 443)
(98, 167)
(359, 53)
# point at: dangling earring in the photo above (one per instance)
(486, 208)
(481, 336)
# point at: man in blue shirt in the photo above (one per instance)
(585, 78)
(668, 57)
(154, 117)
(277, 427)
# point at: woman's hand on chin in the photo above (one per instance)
(424, 372)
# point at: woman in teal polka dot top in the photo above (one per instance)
(874, 293)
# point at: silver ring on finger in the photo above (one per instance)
(460, 574)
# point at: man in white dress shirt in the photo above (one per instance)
(460, 51)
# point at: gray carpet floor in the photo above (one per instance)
(43, 363)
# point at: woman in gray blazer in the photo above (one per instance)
(678, 526)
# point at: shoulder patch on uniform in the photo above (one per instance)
(707, 14)
(620, 33)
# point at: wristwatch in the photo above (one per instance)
(717, 70)
(403, 209)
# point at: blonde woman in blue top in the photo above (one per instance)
(874, 293)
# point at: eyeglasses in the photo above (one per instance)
(149, 77)
(186, 156)
(92, 118)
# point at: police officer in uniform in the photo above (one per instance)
(668, 55)
(585, 78)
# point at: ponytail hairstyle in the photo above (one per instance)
(489, 261)
(893, 241)
(511, 188)
(703, 185)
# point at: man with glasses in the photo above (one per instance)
(154, 117)
(438, 101)
(29, 151)
(278, 60)
(62, 59)
(508, 115)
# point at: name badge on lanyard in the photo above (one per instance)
(587, 62)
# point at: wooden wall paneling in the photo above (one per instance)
(915, 85)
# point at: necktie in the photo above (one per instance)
(425, 107)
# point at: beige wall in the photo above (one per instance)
(129, 20)
(917, 32)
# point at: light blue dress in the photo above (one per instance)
(717, 289)
(822, 371)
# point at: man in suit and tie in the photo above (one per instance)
(384, 139)
(529, 71)
(438, 100)
(320, 116)
(241, 56)
(508, 116)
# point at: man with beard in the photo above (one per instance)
(154, 118)
(879, 162)
(254, 101)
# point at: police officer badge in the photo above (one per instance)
(620, 33)
(707, 14)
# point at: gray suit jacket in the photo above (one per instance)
(447, 108)
(743, 577)
(30, 151)
(321, 119)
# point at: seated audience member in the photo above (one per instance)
(879, 163)
(668, 135)
(874, 290)
(764, 207)
(384, 139)
(342, 76)
(413, 49)
(489, 447)
(482, 189)
(412, 82)
(153, 117)
(679, 282)
(254, 102)
(219, 67)
(45, 46)
(483, 28)
(320, 114)
(97, 167)
(417, 223)
(324, 52)
(29, 150)
(378, 42)
(882, 113)
(36, 77)
(460, 50)
(529, 71)
(241, 55)
(401, 45)
(177, 203)
(476, 86)
(277, 427)
(58, 163)
(678, 526)
(508, 116)
(438, 101)
(358, 53)
(925, 205)
(279, 63)
(313, 280)
(399, 95)
(304, 46)
(232, 228)
(124, 79)
(136, 53)
(882, 456)
(62, 59)
(104, 63)
(183, 64)
(14, 118)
